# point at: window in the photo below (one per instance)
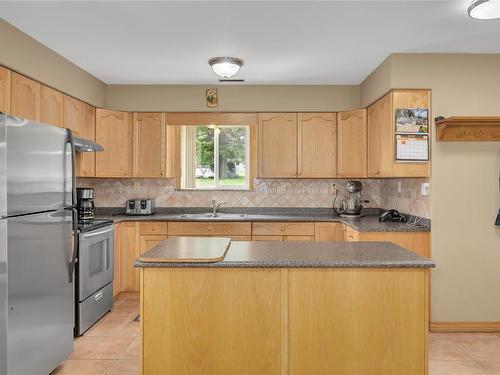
(215, 157)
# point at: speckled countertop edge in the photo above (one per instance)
(368, 223)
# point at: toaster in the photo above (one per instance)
(140, 207)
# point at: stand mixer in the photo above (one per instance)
(351, 207)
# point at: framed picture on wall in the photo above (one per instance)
(212, 98)
(412, 120)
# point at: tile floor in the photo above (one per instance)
(111, 347)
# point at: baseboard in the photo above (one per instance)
(465, 327)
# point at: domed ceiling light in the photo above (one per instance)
(485, 9)
(225, 67)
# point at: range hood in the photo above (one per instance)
(86, 145)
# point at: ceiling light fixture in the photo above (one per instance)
(225, 67)
(485, 9)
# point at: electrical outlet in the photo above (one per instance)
(334, 188)
(425, 188)
(137, 186)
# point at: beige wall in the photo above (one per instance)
(377, 83)
(25, 55)
(464, 182)
(238, 98)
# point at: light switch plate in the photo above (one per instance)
(425, 188)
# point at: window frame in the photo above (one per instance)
(217, 185)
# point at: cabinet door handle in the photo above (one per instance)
(209, 228)
(282, 229)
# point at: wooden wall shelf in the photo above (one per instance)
(468, 129)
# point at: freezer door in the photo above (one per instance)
(35, 167)
(40, 294)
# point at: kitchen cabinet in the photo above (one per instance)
(282, 231)
(51, 106)
(418, 242)
(317, 142)
(352, 144)
(85, 161)
(351, 234)
(117, 287)
(234, 230)
(73, 115)
(5, 84)
(129, 249)
(149, 145)
(329, 231)
(114, 133)
(380, 138)
(25, 97)
(277, 145)
(381, 134)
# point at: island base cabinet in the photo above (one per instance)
(357, 321)
(211, 321)
(288, 321)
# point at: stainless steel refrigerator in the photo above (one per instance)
(37, 253)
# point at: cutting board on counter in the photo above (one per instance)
(188, 249)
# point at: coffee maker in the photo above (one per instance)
(351, 207)
(85, 205)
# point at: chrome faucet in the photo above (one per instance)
(216, 205)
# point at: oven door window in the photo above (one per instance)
(95, 263)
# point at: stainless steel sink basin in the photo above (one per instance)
(217, 216)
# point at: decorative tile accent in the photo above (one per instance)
(266, 193)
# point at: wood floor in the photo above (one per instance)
(111, 347)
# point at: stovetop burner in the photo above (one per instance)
(86, 226)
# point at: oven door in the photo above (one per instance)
(95, 261)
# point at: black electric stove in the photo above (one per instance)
(87, 226)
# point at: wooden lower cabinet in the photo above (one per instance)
(360, 321)
(117, 262)
(329, 232)
(418, 242)
(227, 229)
(282, 238)
(250, 321)
(129, 248)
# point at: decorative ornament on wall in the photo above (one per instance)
(212, 98)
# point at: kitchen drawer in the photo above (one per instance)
(298, 238)
(267, 238)
(283, 229)
(209, 229)
(153, 227)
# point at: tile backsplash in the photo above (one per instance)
(266, 193)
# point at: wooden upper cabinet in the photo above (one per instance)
(351, 144)
(85, 161)
(25, 97)
(411, 99)
(5, 83)
(149, 145)
(51, 106)
(277, 145)
(317, 145)
(73, 116)
(380, 138)
(114, 133)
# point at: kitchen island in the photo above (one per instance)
(284, 308)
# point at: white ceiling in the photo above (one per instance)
(282, 42)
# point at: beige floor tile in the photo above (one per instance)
(133, 350)
(443, 348)
(125, 367)
(89, 347)
(116, 326)
(83, 367)
(455, 368)
(492, 366)
(481, 346)
(127, 306)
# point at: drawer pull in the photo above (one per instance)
(98, 296)
(282, 229)
(209, 228)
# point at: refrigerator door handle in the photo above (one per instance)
(73, 205)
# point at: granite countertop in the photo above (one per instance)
(275, 254)
(368, 223)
